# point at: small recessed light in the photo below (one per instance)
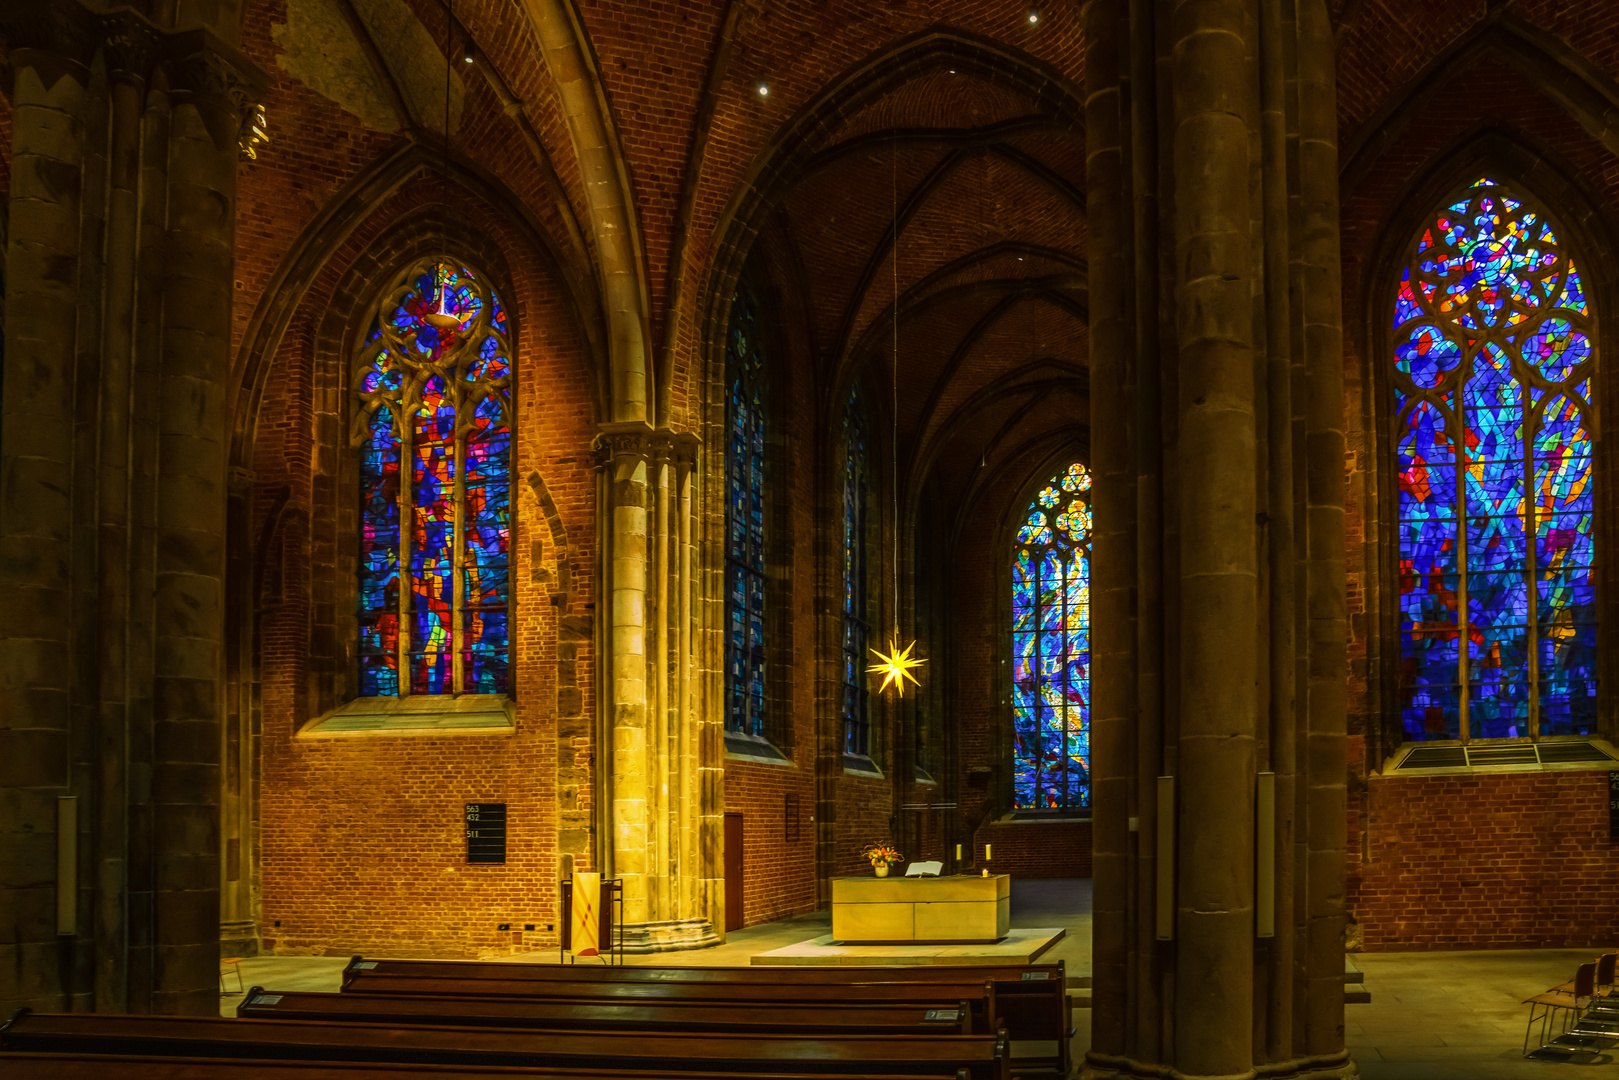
(764, 89)
(1034, 16)
(467, 58)
(952, 71)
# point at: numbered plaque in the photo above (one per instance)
(1613, 805)
(486, 832)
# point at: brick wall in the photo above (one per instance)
(362, 836)
(1508, 860)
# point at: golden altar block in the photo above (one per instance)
(921, 910)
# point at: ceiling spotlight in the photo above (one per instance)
(764, 89)
(1034, 16)
(467, 58)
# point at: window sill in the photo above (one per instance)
(1481, 757)
(862, 766)
(424, 714)
(1045, 817)
(754, 748)
(920, 775)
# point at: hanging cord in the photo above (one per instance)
(893, 414)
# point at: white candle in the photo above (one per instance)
(958, 851)
(986, 853)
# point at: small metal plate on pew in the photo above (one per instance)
(365, 965)
(486, 832)
(942, 1014)
(1036, 976)
(265, 999)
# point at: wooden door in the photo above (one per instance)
(733, 872)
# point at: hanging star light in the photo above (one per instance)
(895, 665)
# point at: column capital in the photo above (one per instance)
(132, 45)
(634, 439)
(226, 86)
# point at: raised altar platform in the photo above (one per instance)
(1020, 946)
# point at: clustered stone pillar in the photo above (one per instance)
(119, 268)
(1218, 605)
(661, 790)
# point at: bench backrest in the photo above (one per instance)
(874, 1018)
(1008, 978)
(984, 1057)
(37, 1066)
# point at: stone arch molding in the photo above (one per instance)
(610, 200)
(1590, 229)
(323, 239)
(1583, 91)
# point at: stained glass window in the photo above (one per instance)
(856, 443)
(433, 427)
(1494, 355)
(745, 521)
(1051, 647)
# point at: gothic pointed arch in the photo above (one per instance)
(1491, 390)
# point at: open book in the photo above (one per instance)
(924, 869)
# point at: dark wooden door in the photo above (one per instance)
(733, 872)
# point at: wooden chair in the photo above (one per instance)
(1565, 1003)
(230, 965)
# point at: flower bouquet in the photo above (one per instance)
(882, 856)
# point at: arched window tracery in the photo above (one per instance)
(856, 628)
(745, 420)
(433, 425)
(1494, 358)
(1051, 648)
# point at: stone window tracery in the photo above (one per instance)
(1051, 647)
(433, 426)
(745, 419)
(1492, 371)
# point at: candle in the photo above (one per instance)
(986, 853)
(958, 851)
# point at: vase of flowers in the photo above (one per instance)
(882, 856)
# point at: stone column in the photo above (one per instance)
(49, 77)
(119, 259)
(1219, 579)
(662, 806)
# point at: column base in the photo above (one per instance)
(239, 938)
(671, 935)
(1339, 1066)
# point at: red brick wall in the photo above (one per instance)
(362, 836)
(1509, 860)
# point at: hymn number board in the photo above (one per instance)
(1613, 805)
(486, 832)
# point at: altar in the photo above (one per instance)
(921, 910)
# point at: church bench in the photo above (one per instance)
(1032, 1000)
(980, 995)
(982, 1057)
(873, 1018)
(70, 1066)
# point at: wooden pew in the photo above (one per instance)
(981, 1057)
(872, 1018)
(39, 1066)
(1033, 1002)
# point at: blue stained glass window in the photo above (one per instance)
(856, 630)
(433, 427)
(745, 521)
(1494, 357)
(1051, 647)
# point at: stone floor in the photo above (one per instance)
(1432, 1015)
